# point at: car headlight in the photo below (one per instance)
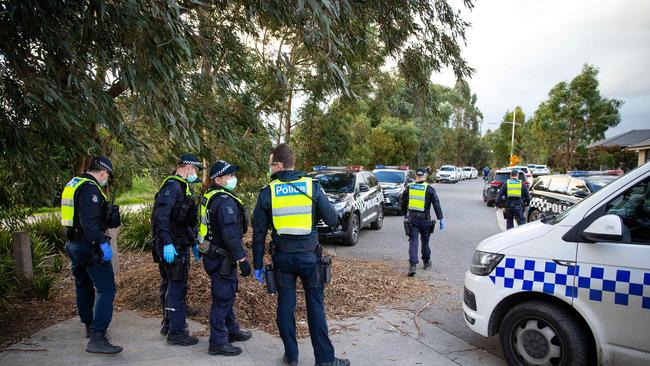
(339, 206)
(483, 262)
(391, 190)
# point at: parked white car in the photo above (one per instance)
(541, 170)
(527, 173)
(470, 172)
(572, 288)
(460, 174)
(447, 173)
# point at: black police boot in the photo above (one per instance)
(225, 350)
(411, 270)
(164, 330)
(285, 361)
(240, 336)
(336, 362)
(181, 338)
(89, 332)
(99, 343)
(427, 264)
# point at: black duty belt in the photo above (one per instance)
(419, 214)
(75, 235)
(295, 246)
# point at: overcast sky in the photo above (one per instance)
(521, 49)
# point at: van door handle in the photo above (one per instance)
(565, 263)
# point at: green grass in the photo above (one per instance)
(142, 191)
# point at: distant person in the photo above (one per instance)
(224, 220)
(84, 214)
(174, 221)
(416, 204)
(517, 196)
(486, 171)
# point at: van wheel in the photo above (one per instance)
(379, 222)
(354, 227)
(533, 216)
(539, 333)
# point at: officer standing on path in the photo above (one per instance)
(291, 206)
(416, 203)
(174, 221)
(224, 220)
(517, 196)
(85, 214)
(486, 171)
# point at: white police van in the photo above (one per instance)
(572, 290)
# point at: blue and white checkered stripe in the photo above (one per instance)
(601, 284)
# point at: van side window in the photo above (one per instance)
(372, 180)
(558, 185)
(542, 185)
(578, 188)
(633, 207)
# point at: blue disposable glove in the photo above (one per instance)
(442, 224)
(108, 252)
(197, 254)
(169, 252)
(259, 275)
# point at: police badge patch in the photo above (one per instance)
(166, 192)
(95, 199)
(230, 211)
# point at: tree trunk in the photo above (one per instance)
(287, 120)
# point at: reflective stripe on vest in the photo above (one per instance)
(417, 193)
(178, 179)
(67, 199)
(205, 203)
(513, 188)
(291, 209)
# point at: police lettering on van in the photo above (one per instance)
(356, 197)
(554, 194)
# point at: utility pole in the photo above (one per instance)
(512, 141)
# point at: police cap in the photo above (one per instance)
(103, 163)
(514, 173)
(190, 159)
(221, 167)
(421, 171)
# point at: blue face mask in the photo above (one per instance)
(231, 184)
(192, 178)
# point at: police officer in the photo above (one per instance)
(416, 204)
(84, 211)
(291, 205)
(517, 196)
(486, 171)
(223, 222)
(174, 221)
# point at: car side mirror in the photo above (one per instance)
(580, 193)
(608, 228)
(363, 187)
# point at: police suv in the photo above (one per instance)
(357, 198)
(393, 181)
(573, 289)
(553, 194)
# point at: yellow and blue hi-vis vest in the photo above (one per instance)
(291, 206)
(417, 193)
(67, 199)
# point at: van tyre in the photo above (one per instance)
(533, 215)
(354, 229)
(379, 222)
(539, 333)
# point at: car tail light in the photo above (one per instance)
(495, 183)
(526, 182)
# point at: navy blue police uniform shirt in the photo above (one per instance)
(226, 224)
(169, 193)
(263, 217)
(91, 211)
(525, 194)
(430, 198)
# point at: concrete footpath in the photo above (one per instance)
(387, 337)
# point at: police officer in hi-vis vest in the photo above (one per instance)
(86, 214)
(416, 205)
(517, 196)
(174, 221)
(224, 220)
(291, 206)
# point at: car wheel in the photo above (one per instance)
(484, 197)
(354, 228)
(379, 222)
(533, 215)
(490, 203)
(539, 333)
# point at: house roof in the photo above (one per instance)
(623, 140)
(640, 145)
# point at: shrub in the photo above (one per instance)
(136, 230)
(7, 271)
(42, 284)
(49, 228)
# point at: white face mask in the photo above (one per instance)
(104, 182)
(231, 184)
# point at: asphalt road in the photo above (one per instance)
(468, 221)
